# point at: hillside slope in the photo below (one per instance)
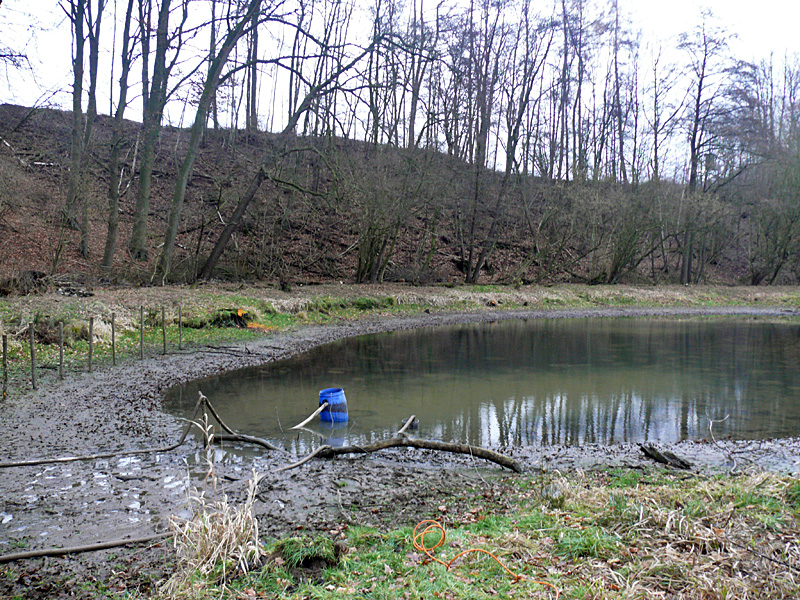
(338, 210)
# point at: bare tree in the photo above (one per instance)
(665, 109)
(118, 139)
(247, 21)
(420, 46)
(85, 17)
(706, 47)
(759, 163)
(321, 88)
(485, 44)
(527, 56)
(619, 111)
(251, 112)
(76, 11)
(154, 97)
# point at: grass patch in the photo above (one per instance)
(590, 541)
(671, 537)
(298, 552)
(793, 494)
(330, 305)
(624, 478)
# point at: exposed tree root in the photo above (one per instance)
(665, 458)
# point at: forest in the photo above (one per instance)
(511, 141)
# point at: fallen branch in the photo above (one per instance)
(403, 441)
(666, 457)
(407, 424)
(77, 549)
(234, 436)
(103, 455)
(322, 407)
(205, 401)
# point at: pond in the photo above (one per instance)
(529, 382)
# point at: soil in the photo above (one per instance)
(130, 496)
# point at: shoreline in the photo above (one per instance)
(120, 407)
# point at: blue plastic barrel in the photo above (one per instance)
(336, 411)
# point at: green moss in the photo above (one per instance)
(302, 551)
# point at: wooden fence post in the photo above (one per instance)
(141, 332)
(180, 328)
(5, 366)
(33, 356)
(91, 342)
(113, 340)
(61, 350)
(164, 329)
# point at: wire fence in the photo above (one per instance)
(34, 352)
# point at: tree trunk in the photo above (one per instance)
(116, 143)
(74, 185)
(154, 109)
(198, 127)
(686, 262)
(93, 22)
(251, 119)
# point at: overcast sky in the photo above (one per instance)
(762, 27)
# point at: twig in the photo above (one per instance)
(311, 431)
(302, 461)
(760, 555)
(280, 425)
(239, 437)
(731, 456)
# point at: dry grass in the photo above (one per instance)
(708, 539)
(219, 541)
(616, 534)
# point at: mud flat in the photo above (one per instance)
(57, 505)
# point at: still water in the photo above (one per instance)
(529, 382)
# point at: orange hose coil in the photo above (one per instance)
(418, 540)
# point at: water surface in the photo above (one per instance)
(530, 382)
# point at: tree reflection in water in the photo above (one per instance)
(534, 382)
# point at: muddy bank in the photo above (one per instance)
(128, 496)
